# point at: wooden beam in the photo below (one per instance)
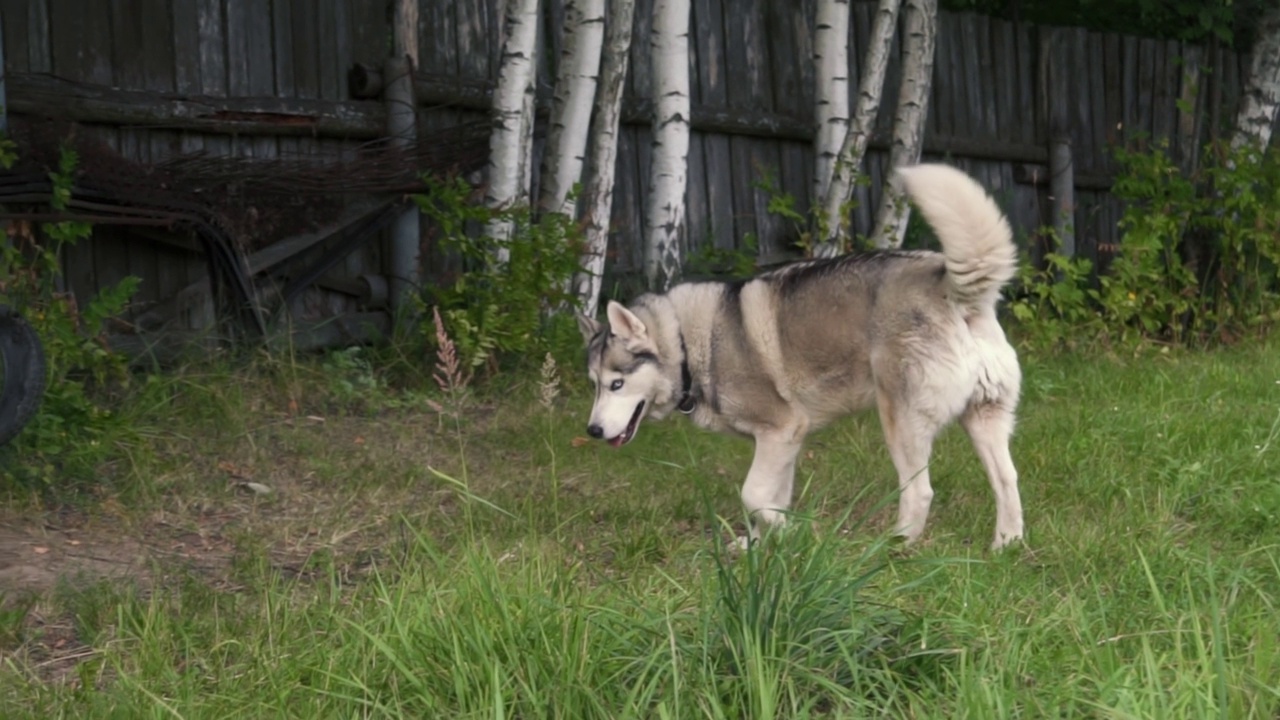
(447, 90)
(40, 95)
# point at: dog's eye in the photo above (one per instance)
(616, 385)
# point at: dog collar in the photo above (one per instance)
(687, 401)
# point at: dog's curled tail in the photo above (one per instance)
(976, 240)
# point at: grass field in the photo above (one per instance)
(411, 564)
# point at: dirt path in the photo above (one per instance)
(37, 552)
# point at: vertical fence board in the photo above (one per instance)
(968, 27)
(39, 38)
(1008, 121)
(640, 73)
(1130, 86)
(17, 33)
(1159, 92)
(1112, 99)
(792, 56)
(713, 91)
(473, 33)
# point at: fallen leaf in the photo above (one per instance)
(236, 473)
(580, 441)
(40, 549)
(255, 488)
(359, 440)
(293, 406)
(73, 542)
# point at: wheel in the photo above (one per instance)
(22, 373)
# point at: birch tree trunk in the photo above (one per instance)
(1260, 96)
(571, 105)
(598, 195)
(920, 39)
(669, 48)
(832, 226)
(831, 91)
(509, 143)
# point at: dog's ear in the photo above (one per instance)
(588, 326)
(624, 323)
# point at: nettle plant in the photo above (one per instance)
(67, 434)
(490, 309)
(1198, 261)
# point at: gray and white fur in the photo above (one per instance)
(912, 333)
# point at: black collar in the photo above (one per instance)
(687, 400)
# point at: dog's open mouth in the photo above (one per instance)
(630, 432)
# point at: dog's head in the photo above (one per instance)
(627, 368)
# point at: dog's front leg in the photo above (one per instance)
(766, 494)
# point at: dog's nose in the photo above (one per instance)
(595, 431)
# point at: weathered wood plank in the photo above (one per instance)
(369, 29)
(742, 71)
(211, 31)
(335, 48)
(628, 210)
(81, 40)
(1130, 88)
(1159, 91)
(990, 79)
(1112, 98)
(210, 24)
(975, 89)
(1145, 87)
(765, 160)
(791, 53)
(1033, 124)
(304, 51)
(17, 48)
(1096, 104)
(39, 38)
(46, 96)
(640, 75)
(1085, 150)
(186, 65)
(472, 41)
(282, 47)
(697, 209)
(962, 115)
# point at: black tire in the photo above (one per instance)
(23, 364)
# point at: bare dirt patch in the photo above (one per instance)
(36, 553)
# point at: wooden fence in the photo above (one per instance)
(998, 88)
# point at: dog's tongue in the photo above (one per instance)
(617, 442)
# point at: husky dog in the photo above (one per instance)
(913, 333)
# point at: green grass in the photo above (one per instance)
(408, 565)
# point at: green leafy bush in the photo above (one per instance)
(492, 309)
(1198, 261)
(67, 436)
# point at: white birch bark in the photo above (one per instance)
(571, 103)
(598, 194)
(919, 40)
(832, 224)
(1260, 97)
(669, 47)
(831, 90)
(509, 143)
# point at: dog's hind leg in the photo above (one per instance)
(910, 439)
(989, 426)
(766, 494)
